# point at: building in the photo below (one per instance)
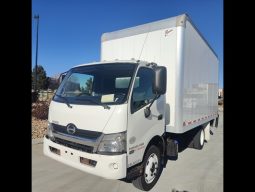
(220, 93)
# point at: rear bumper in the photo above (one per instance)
(109, 167)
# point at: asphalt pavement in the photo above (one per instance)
(194, 171)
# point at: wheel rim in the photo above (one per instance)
(202, 137)
(151, 168)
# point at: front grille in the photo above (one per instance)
(79, 132)
(73, 145)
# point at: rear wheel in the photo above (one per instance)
(152, 169)
(199, 139)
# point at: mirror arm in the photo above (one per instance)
(156, 96)
(147, 110)
(61, 75)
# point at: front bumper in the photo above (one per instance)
(107, 166)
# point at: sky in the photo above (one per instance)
(70, 31)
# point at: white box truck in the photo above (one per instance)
(153, 92)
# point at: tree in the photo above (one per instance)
(42, 79)
(88, 84)
(53, 83)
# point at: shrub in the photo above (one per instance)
(35, 96)
(40, 110)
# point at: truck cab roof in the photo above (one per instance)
(131, 61)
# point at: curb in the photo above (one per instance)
(37, 141)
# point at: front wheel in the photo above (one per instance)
(152, 169)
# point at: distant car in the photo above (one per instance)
(220, 101)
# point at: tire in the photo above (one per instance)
(152, 169)
(199, 139)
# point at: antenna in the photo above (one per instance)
(144, 44)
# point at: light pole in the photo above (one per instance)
(36, 56)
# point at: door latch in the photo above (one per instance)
(160, 117)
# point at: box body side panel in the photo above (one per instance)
(200, 91)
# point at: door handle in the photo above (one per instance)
(160, 117)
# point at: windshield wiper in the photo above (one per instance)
(66, 100)
(83, 93)
(92, 101)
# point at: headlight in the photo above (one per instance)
(49, 131)
(113, 143)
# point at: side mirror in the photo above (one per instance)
(159, 83)
(158, 87)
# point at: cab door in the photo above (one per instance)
(140, 130)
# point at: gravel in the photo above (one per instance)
(39, 128)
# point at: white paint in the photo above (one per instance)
(152, 161)
(105, 163)
(144, 129)
(192, 70)
(200, 77)
(158, 48)
(90, 117)
(192, 88)
(207, 132)
(202, 137)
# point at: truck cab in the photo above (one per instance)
(106, 115)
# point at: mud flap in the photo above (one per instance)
(134, 172)
(172, 148)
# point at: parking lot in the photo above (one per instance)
(194, 171)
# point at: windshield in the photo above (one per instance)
(98, 84)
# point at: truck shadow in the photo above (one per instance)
(185, 141)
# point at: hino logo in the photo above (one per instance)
(71, 128)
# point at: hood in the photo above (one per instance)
(90, 117)
(85, 117)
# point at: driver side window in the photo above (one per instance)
(142, 91)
